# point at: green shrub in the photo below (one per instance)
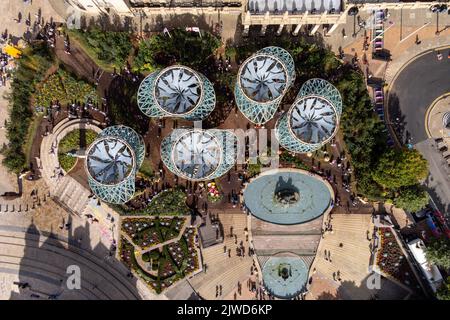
(110, 48)
(297, 162)
(31, 68)
(183, 47)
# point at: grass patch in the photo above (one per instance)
(146, 169)
(29, 140)
(71, 143)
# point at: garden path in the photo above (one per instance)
(159, 245)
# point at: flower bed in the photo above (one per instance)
(390, 259)
(172, 262)
(286, 157)
(214, 194)
(166, 203)
(147, 232)
(63, 87)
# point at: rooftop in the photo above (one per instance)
(197, 154)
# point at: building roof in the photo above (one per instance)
(263, 6)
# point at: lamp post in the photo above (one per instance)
(438, 8)
(353, 11)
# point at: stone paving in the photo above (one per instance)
(434, 119)
(82, 244)
(351, 260)
(48, 216)
(11, 9)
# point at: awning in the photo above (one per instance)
(12, 51)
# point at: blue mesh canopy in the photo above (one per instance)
(177, 90)
(314, 196)
(263, 78)
(197, 154)
(285, 277)
(313, 119)
(262, 81)
(112, 161)
(109, 161)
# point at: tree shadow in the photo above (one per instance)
(442, 204)
(122, 103)
(44, 269)
(398, 119)
(112, 22)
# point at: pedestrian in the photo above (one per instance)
(417, 40)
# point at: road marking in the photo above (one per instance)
(417, 30)
(393, 24)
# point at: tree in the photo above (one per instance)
(412, 198)
(399, 168)
(438, 252)
(443, 292)
(181, 47)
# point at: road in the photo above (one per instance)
(414, 90)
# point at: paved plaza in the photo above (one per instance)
(57, 222)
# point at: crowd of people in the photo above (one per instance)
(5, 69)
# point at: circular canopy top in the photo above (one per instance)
(285, 277)
(197, 154)
(313, 119)
(110, 161)
(178, 89)
(314, 196)
(263, 78)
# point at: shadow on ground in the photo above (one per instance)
(43, 268)
(348, 290)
